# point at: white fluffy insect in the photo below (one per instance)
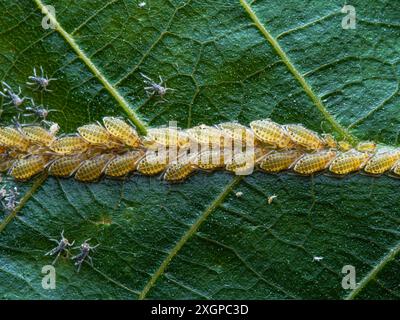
(41, 81)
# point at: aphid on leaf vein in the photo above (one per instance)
(271, 133)
(237, 132)
(241, 163)
(85, 251)
(153, 163)
(278, 161)
(314, 162)
(14, 98)
(366, 146)
(12, 138)
(304, 137)
(329, 141)
(26, 168)
(348, 162)
(6, 162)
(344, 146)
(69, 145)
(121, 130)
(123, 164)
(91, 169)
(167, 137)
(66, 166)
(178, 171)
(38, 135)
(62, 246)
(206, 135)
(97, 135)
(41, 80)
(210, 160)
(382, 161)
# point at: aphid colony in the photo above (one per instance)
(115, 149)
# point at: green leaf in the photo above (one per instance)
(228, 60)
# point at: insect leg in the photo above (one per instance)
(55, 260)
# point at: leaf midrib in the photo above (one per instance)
(142, 127)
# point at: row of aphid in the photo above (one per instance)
(116, 149)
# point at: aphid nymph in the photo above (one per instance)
(85, 251)
(41, 81)
(38, 111)
(14, 98)
(62, 246)
(154, 88)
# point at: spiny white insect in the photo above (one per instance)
(85, 251)
(42, 81)
(62, 246)
(154, 88)
(318, 259)
(14, 98)
(238, 194)
(142, 4)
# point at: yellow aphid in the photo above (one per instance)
(12, 138)
(344, 146)
(348, 162)
(206, 135)
(237, 132)
(277, 161)
(91, 169)
(38, 135)
(382, 161)
(304, 137)
(152, 163)
(66, 166)
(329, 141)
(178, 171)
(271, 133)
(69, 145)
(314, 162)
(210, 160)
(96, 134)
(121, 130)
(366, 146)
(123, 164)
(28, 167)
(6, 162)
(167, 137)
(241, 163)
